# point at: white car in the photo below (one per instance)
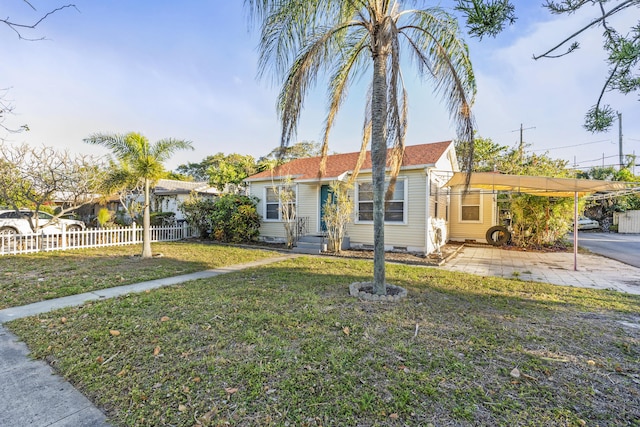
(585, 223)
(12, 222)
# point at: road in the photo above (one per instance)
(621, 247)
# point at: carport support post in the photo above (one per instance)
(575, 231)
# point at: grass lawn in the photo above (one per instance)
(30, 278)
(284, 344)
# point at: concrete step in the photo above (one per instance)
(312, 239)
(303, 247)
(303, 250)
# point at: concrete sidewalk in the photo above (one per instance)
(594, 271)
(31, 394)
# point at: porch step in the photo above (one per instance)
(309, 238)
(303, 247)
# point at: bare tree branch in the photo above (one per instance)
(16, 26)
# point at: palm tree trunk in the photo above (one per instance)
(378, 164)
(146, 222)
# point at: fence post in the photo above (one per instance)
(134, 234)
(63, 240)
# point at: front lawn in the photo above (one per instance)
(46, 275)
(284, 344)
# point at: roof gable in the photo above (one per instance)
(338, 164)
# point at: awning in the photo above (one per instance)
(540, 186)
(536, 185)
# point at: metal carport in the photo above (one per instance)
(539, 186)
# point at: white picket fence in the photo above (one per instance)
(11, 244)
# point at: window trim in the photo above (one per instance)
(266, 203)
(405, 203)
(480, 208)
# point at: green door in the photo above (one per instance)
(324, 196)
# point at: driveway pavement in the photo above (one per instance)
(621, 247)
(594, 271)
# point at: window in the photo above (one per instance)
(394, 208)
(280, 203)
(470, 206)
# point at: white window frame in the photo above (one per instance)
(405, 202)
(480, 207)
(266, 202)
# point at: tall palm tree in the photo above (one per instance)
(145, 162)
(344, 38)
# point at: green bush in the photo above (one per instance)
(198, 213)
(235, 219)
(162, 218)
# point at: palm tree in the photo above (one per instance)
(143, 161)
(300, 39)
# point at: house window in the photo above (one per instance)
(470, 206)
(394, 208)
(280, 203)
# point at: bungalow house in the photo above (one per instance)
(168, 194)
(417, 217)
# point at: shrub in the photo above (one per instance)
(198, 213)
(103, 217)
(162, 218)
(235, 219)
(337, 214)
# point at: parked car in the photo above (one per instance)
(12, 222)
(585, 223)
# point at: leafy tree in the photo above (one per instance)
(301, 39)
(602, 208)
(485, 153)
(488, 17)
(299, 150)
(220, 170)
(231, 169)
(141, 161)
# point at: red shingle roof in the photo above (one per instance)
(338, 164)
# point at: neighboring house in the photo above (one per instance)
(416, 217)
(168, 194)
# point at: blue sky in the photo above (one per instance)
(188, 70)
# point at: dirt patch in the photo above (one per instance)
(447, 251)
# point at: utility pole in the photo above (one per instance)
(620, 139)
(521, 146)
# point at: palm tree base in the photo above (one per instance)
(364, 291)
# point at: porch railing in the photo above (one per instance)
(302, 226)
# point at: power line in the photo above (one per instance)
(575, 145)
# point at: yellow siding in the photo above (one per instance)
(411, 234)
(309, 205)
(461, 231)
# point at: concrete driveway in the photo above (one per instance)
(621, 247)
(593, 271)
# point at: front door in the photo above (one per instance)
(325, 190)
